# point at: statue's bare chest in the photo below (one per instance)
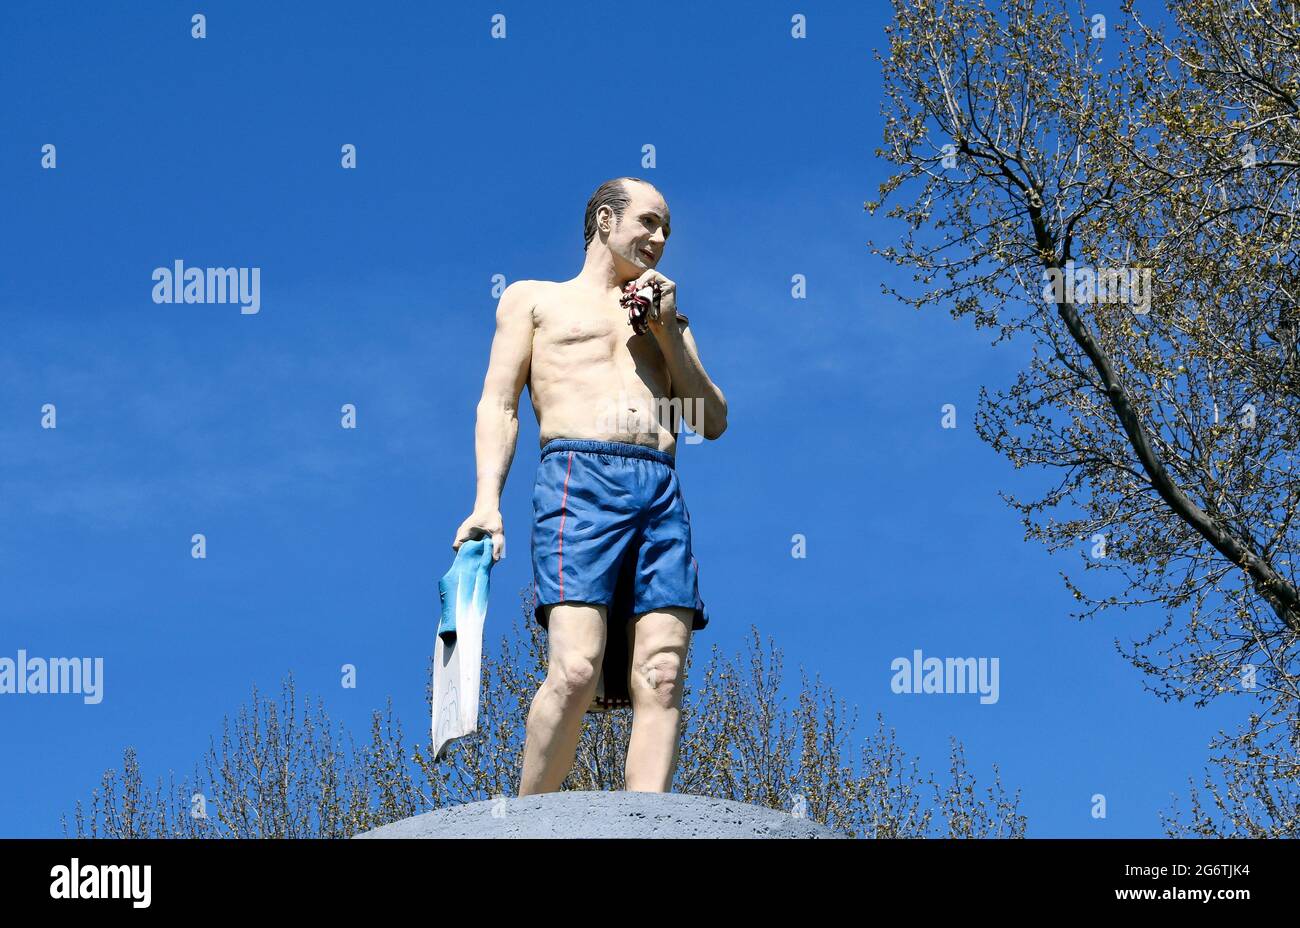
(580, 330)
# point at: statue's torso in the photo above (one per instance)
(591, 376)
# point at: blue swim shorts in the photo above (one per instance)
(610, 527)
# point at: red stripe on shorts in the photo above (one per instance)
(563, 502)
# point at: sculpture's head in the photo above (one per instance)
(628, 216)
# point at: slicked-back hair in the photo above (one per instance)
(611, 193)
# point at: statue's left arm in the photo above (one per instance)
(703, 405)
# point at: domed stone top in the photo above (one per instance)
(605, 814)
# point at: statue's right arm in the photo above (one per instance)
(497, 424)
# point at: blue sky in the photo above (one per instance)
(475, 157)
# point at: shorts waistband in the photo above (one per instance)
(620, 448)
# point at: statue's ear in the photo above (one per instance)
(682, 319)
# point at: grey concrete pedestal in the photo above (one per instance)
(580, 814)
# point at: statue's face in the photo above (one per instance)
(639, 238)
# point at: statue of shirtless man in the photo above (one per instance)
(613, 570)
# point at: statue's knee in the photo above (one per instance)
(573, 677)
(658, 678)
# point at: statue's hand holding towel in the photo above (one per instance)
(458, 651)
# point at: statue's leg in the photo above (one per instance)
(586, 516)
(660, 641)
(576, 644)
